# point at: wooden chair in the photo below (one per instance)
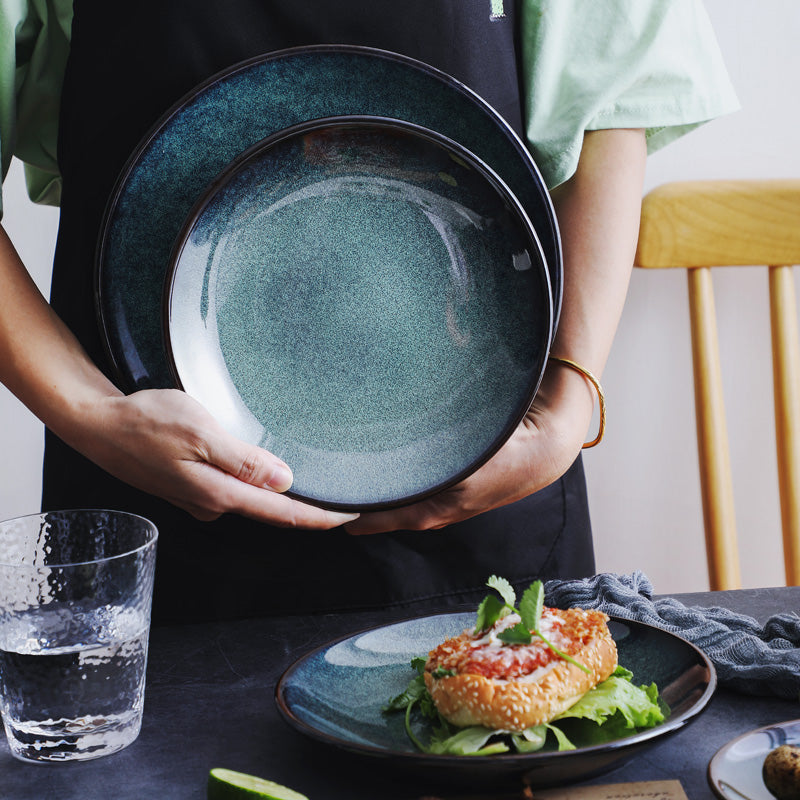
(698, 225)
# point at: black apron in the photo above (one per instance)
(129, 63)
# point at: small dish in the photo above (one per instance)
(334, 695)
(239, 107)
(734, 772)
(365, 299)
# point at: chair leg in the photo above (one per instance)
(786, 376)
(712, 436)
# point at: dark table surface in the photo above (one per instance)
(210, 703)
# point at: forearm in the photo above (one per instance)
(598, 213)
(41, 362)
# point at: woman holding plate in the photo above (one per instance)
(590, 87)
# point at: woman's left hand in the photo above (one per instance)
(541, 449)
(598, 213)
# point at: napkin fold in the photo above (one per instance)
(749, 657)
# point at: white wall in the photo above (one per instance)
(33, 231)
(643, 478)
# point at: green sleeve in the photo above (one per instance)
(593, 64)
(34, 44)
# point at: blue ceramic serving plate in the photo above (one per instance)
(234, 110)
(335, 693)
(365, 299)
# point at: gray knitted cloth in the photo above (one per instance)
(749, 657)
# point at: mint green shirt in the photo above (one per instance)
(587, 64)
(34, 44)
(595, 64)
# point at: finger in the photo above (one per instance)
(281, 510)
(251, 480)
(418, 517)
(248, 463)
(209, 492)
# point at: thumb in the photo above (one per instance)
(249, 463)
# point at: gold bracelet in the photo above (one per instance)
(600, 395)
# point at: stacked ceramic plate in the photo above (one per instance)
(349, 258)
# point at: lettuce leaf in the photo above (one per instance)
(530, 740)
(467, 742)
(638, 705)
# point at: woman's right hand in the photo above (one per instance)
(164, 442)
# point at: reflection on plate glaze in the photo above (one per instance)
(733, 792)
(735, 770)
(397, 643)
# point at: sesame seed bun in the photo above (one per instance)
(522, 701)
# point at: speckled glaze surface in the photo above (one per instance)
(335, 694)
(174, 165)
(367, 301)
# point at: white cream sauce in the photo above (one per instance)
(490, 647)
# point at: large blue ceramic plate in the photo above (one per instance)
(735, 770)
(366, 300)
(215, 123)
(335, 693)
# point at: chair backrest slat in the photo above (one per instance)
(786, 375)
(716, 482)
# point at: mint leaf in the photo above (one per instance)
(531, 605)
(489, 611)
(518, 634)
(504, 589)
(418, 663)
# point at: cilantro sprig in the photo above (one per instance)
(445, 738)
(531, 605)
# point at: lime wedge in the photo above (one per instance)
(225, 784)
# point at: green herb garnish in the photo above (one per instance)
(465, 741)
(530, 610)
